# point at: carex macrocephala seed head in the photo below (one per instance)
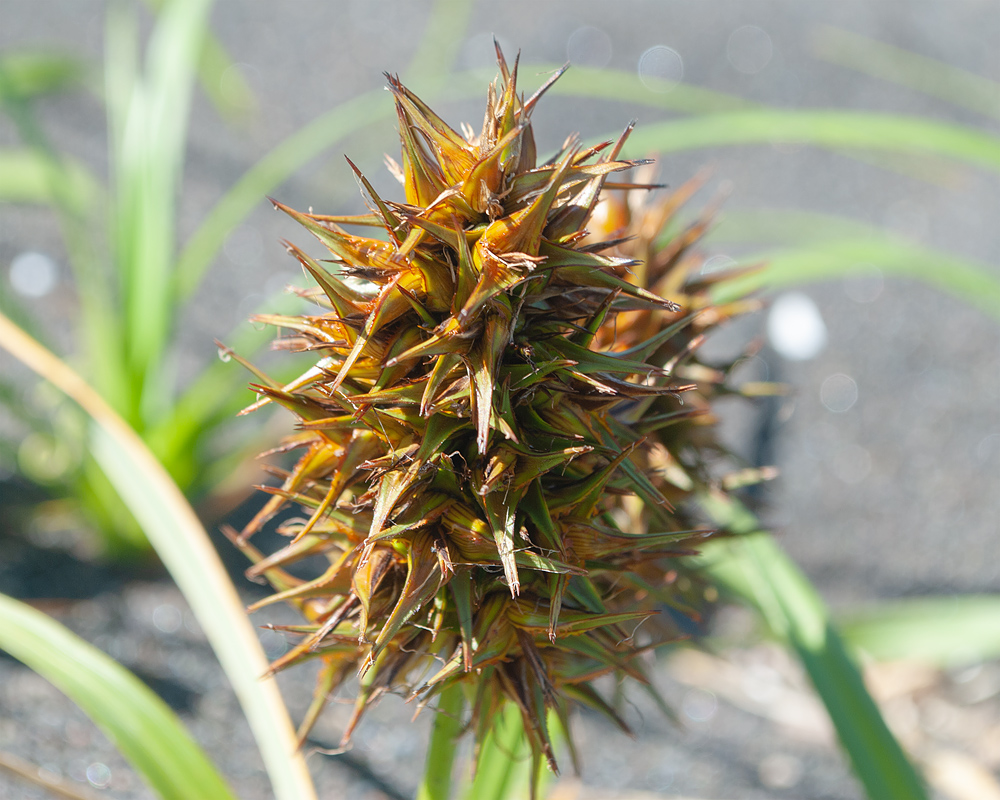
(493, 452)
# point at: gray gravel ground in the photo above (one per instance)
(895, 496)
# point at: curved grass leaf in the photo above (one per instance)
(442, 40)
(265, 176)
(617, 85)
(753, 567)
(942, 631)
(786, 226)
(28, 176)
(184, 548)
(30, 73)
(232, 98)
(930, 76)
(832, 247)
(627, 87)
(725, 120)
(137, 722)
(964, 279)
(835, 129)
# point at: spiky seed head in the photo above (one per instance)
(493, 455)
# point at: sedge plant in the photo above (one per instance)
(794, 613)
(501, 446)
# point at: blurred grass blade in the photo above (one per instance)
(504, 758)
(184, 548)
(753, 566)
(219, 77)
(833, 129)
(79, 205)
(619, 86)
(832, 247)
(219, 391)
(137, 722)
(442, 40)
(627, 87)
(149, 114)
(964, 279)
(930, 76)
(435, 784)
(265, 176)
(942, 631)
(27, 176)
(223, 82)
(31, 73)
(786, 226)
(728, 120)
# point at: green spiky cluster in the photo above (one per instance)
(492, 443)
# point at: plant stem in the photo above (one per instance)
(504, 758)
(436, 783)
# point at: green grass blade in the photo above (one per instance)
(504, 758)
(223, 82)
(137, 722)
(616, 85)
(266, 176)
(172, 59)
(942, 631)
(753, 567)
(786, 226)
(436, 781)
(32, 73)
(442, 40)
(824, 246)
(79, 205)
(184, 548)
(930, 76)
(833, 129)
(627, 87)
(969, 281)
(148, 154)
(26, 176)
(233, 99)
(727, 120)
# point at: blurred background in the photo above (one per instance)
(888, 444)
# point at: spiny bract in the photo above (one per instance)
(492, 443)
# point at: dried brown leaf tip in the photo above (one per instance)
(494, 455)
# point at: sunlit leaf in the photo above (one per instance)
(26, 176)
(974, 283)
(137, 722)
(825, 128)
(943, 631)
(754, 568)
(930, 76)
(30, 73)
(182, 544)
